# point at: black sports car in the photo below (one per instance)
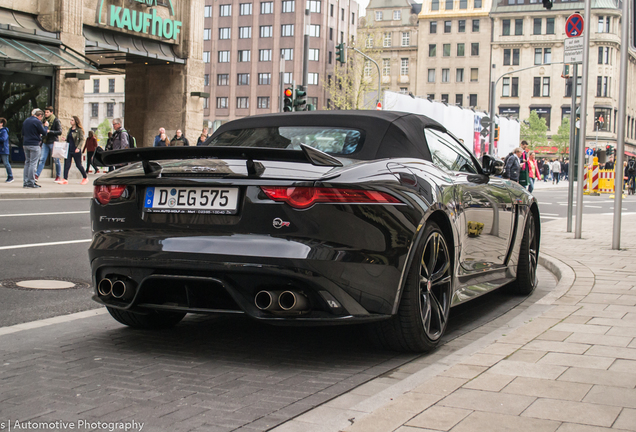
(311, 218)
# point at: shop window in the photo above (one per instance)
(262, 102)
(543, 113)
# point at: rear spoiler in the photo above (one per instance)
(148, 154)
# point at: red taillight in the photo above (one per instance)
(104, 194)
(304, 197)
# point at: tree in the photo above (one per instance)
(562, 137)
(534, 130)
(102, 132)
(352, 82)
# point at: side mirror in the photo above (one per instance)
(491, 166)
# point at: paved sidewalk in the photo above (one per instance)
(569, 367)
(49, 188)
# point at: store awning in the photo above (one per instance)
(630, 154)
(38, 54)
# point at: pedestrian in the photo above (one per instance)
(202, 138)
(533, 171)
(32, 132)
(90, 147)
(109, 141)
(566, 170)
(76, 141)
(546, 170)
(513, 164)
(120, 139)
(179, 140)
(54, 133)
(556, 171)
(5, 149)
(163, 141)
(158, 141)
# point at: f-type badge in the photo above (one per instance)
(279, 223)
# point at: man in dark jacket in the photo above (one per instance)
(55, 130)
(513, 164)
(179, 140)
(120, 140)
(32, 132)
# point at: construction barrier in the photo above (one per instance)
(606, 181)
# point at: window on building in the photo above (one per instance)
(206, 79)
(536, 87)
(602, 119)
(397, 15)
(460, 50)
(243, 79)
(94, 109)
(505, 87)
(224, 32)
(287, 30)
(604, 24)
(459, 99)
(267, 31)
(472, 100)
(444, 98)
(463, 4)
(207, 12)
(314, 54)
(111, 85)
(507, 58)
(378, 15)
(474, 49)
(331, 10)
(547, 55)
(448, 5)
(518, 27)
(367, 69)
(543, 113)
(475, 26)
(459, 75)
(474, 75)
(386, 40)
(244, 55)
(225, 10)
(206, 103)
(313, 101)
(386, 67)
(289, 6)
(288, 78)
(245, 32)
(314, 6)
(505, 27)
(434, 5)
(602, 86)
(267, 8)
(447, 26)
(431, 75)
(342, 14)
(445, 75)
(406, 38)
(477, 4)
(330, 33)
(264, 78)
(314, 30)
(262, 102)
(369, 43)
(545, 87)
(549, 26)
(604, 55)
(432, 50)
(206, 57)
(287, 53)
(207, 34)
(245, 9)
(312, 78)
(446, 49)
(538, 52)
(404, 67)
(265, 55)
(568, 86)
(514, 89)
(353, 18)
(96, 85)
(330, 56)
(432, 27)
(222, 79)
(430, 96)
(461, 26)
(515, 56)
(542, 56)
(537, 26)
(242, 102)
(221, 102)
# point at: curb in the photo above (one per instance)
(27, 195)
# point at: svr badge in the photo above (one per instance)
(279, 223)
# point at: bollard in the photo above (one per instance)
(594, 190)
(586, 190)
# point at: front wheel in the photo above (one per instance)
(152, 320)
(425, 305)
(528, 260)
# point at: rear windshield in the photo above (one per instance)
(338, 141)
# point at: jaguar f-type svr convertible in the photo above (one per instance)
(311, 218)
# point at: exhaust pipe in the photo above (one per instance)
(292, 302)
(267, 300)
(123, 289)
(105, 287)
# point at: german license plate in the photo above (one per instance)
(197, 200)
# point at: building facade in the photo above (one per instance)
(525, 35)
(49, 47)
(104, 99)
(251, 46)
(453, 63)
(390, 28)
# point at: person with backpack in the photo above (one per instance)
(120, 139)
(630, 172)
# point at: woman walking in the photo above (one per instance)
(75, 139)
(5, 148)
(533, 171)
(91, 145)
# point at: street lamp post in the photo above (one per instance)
(376, 65)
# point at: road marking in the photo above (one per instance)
(550, 217)
(43, 244)
(50, 321)
(622, 214)
(591, 206)
(44, 214)
(549, 214)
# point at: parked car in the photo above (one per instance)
(311, 218)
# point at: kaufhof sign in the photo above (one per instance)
(146, 21)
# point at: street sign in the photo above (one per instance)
(485, 122)
(574, 25)
(589, 151)
(573, 50)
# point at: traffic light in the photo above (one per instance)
(609, 150)
(300, 98)
(496, 137)
(340, 53)
(288, 102)
(566, 71)
(547, 4)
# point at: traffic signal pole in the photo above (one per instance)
(306, 47)
(572, 145)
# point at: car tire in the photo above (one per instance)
(526, 280)
(425, 304)
(152, 320)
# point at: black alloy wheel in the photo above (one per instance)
(425, 305)
(528, 260)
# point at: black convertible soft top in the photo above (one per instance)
(388, 134)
